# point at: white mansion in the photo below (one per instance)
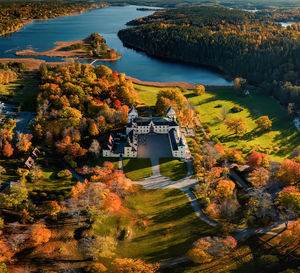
(127, 144)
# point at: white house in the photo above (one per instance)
(126, 145)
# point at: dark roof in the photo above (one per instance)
(173, 139)
(156, 120)
(132, 109)
(6, 187)
(180, 143)
(170, 109)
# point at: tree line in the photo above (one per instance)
(239, 43)
(78, 105)
(13, 14)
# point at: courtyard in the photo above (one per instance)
(154, 146)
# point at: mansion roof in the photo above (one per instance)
(159, 121)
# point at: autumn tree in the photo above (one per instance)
(256, 160)
(239, 85)
(8, 150)
(289, 240)
(6, 253)
(39, 234)
(289, 172)
(263, 123)
(128, 265)
(54, 209)
(289, 198)
(93, 129)
(259, 177)
(261, 203)
(24, 142)
(224, 189)
(111, 202)
(207, 248)
(199, 252)
(200, 89)
(237, 125)
(16, 197)
(97, 248)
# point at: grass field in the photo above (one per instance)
(283, 134)
(51, 184)
(162, 225)
(209, 106)
(172, 168)
(22, 91)
(93, 161)
(147, 94)
(137, 169)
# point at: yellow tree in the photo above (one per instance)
(264, 123)
(224, 188)
(237, 125)
(198, 253)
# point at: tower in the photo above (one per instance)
(171, 114)
(132, 114)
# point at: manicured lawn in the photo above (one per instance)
(172, 168)
(93, 161)
(147, 94)
(23, 91)
(51, 184)
(162, 225)
(137, 168)
(283, 134)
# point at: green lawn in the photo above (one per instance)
(148, 94)
(162, 225)
(22, 91)
(51, 184)
(137, 168)
(283, 134)
(93, 161)
(173, 168)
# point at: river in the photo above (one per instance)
(41, 36)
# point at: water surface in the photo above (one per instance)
(41, 36)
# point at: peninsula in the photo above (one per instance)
(92, 47)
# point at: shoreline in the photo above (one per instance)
(58, 52)
(34, 65)
(162, 84)
(31, 20)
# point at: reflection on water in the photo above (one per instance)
(41, 36)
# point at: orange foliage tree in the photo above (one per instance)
(224, 188)
(39, 234)
(289, 172)
(5, 252)
(111, 202)
(134, 266)
(8, 150)
(205, 249)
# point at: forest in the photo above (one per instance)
(13, 15)
(78, 104)
(238, 43)
(229, 3)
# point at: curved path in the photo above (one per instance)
(157, 181)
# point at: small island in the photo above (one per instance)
(93, 47)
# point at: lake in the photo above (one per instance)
(41, 36)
